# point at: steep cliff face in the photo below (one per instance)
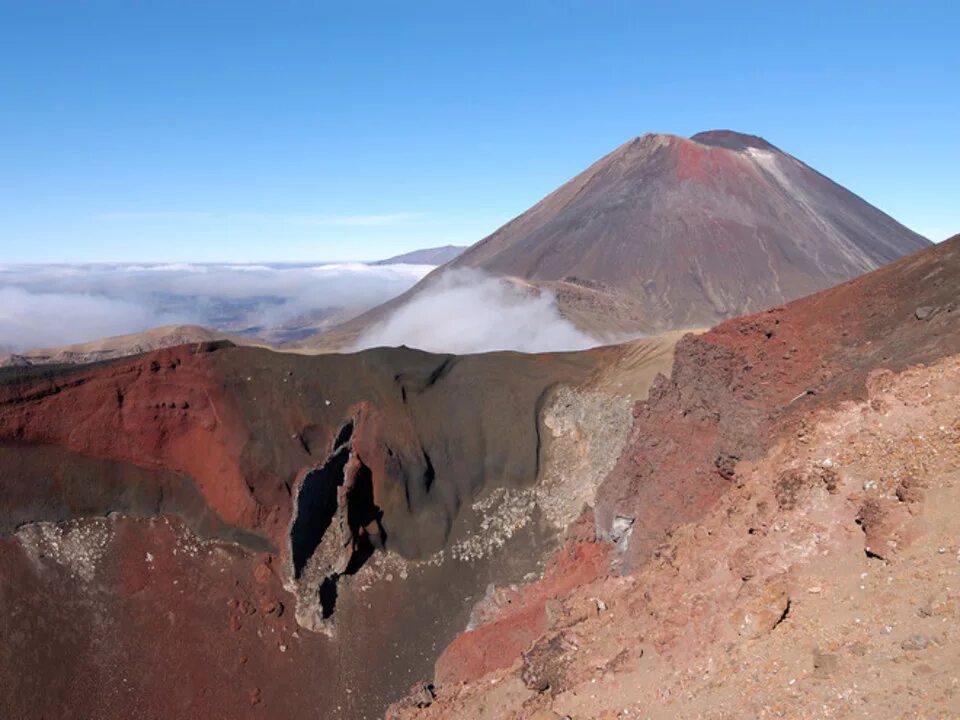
(667, 232)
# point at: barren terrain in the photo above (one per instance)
(756, 516)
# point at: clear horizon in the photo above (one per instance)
(217, 133)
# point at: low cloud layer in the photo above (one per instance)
(53, 305)
(467, 312)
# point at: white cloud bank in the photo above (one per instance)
(31, 320)
(468, 312)
(53, 305)
(43, 306)
(366, 220)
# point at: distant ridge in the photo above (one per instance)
(426, 256)
(118, 346)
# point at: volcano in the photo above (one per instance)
(667, 232)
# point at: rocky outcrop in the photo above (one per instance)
(751, 380)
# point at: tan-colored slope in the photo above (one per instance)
(632, 368)
(121, 346)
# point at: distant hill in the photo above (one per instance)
(667, 232)
(426, 256)
(118, 346)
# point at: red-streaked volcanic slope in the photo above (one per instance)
(668, 232)
(777, 537)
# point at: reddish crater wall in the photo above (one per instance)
(162, 410)
(737, 388)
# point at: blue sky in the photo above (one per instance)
(296, 131)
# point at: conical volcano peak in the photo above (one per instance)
(668, 232)
(697, 148)
(732, 140)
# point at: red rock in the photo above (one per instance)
(90, 439)
(731, 389)
(262, 573)
(272, 606)
(498, 643)
(730, 395)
